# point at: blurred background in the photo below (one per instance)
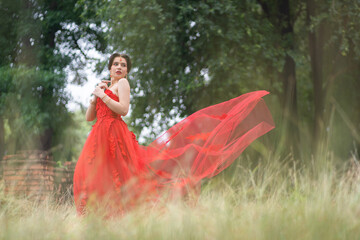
(186, 55)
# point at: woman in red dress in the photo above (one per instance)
(114, 171)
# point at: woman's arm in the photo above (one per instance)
(91, 111)
(121, 107)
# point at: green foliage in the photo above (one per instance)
(69, 144)
(36, 101)
(186, 55)
(191, 54)
(344, 16)
(33, 101)
(39, 40)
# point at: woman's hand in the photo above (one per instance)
(99, 89)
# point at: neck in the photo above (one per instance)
(113, 81)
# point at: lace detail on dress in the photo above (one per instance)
(112, 146)
(116, 181)
(134, 137)
(104, 112)
(112, 139)
(83, 199)
(93, 149)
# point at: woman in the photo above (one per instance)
(114, 171)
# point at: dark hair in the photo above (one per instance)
(127, 58)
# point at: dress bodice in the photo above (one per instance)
(103, 111)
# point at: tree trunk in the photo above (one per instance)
(46, 139)
(289, 101)
(280, 15)
(2, 145)
(316, 53)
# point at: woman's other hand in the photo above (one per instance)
(99, 89)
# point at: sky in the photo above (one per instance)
(81, 94)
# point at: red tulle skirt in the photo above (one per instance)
(115, 172)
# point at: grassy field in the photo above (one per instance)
(276, 199)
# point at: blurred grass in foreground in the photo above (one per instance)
(276, 199)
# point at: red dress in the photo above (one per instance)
(114, 170)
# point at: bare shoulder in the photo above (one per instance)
(123, 83)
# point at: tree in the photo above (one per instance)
(39, 40)
(191, 54)
(334, 56)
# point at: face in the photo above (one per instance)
(118, 68)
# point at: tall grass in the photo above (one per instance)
(276, 199)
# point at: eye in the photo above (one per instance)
(123, 65)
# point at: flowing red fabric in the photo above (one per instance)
(115, 169)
